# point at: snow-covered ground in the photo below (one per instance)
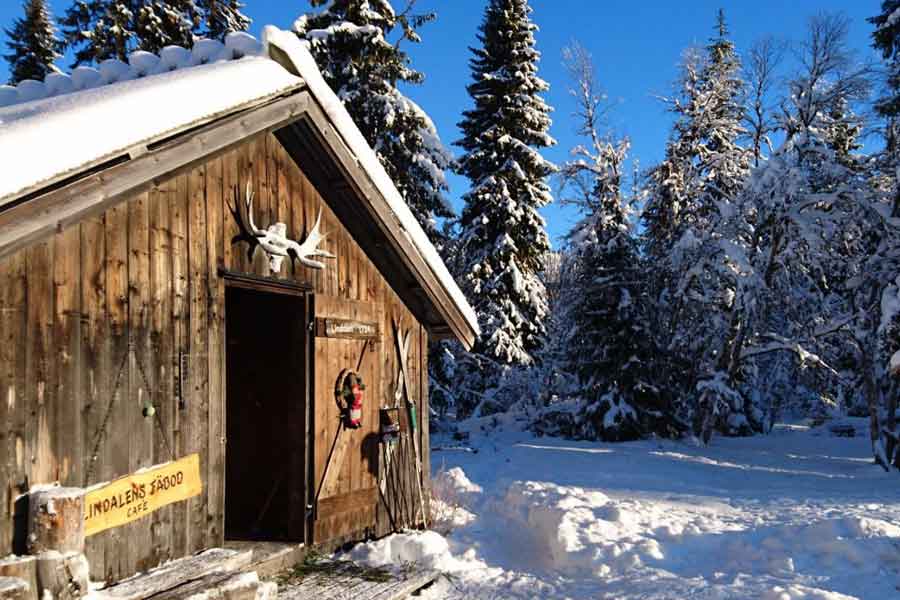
(799, 514)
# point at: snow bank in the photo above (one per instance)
(451, 492)
(427, 549)
(454, 482)
(790, 516)
(800, 592)
(585, 533)
(565, 522)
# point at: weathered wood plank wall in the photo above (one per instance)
(94, 322)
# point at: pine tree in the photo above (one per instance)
(222, 17)
(349, 41)
(705, 163)
(672, 184)
(883, 286)
(607, 346)
(100, 29)
(503, 238)
(103, 29)
(886, 39)
(606, 301)
(33, 44)
(691, 192)
(162, 23)
(723, 163)
(841, 130)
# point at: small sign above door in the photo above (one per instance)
(346, 328)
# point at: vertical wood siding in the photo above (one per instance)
(94, 319)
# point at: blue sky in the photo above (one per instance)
(636, 47)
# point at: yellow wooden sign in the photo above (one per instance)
(135, 496)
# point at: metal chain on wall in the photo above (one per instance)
(101, 431)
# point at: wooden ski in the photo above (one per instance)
(403, 349)
(389, 448)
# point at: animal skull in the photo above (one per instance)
(274, 240)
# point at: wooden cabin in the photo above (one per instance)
(189, 358)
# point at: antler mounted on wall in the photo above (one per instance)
(273, 240)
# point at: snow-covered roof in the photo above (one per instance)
(94, 115)
(60, 127)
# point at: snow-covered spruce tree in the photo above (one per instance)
(671, 190)
(671, 185)
(841, 130)
(100, 29)
(162, 23)
(705, 162)
(722, 164)
(607, 343)
(103, 29)
(350, 41)
(886, 39)
(32, 43)
(503, 238)
(703, 298)
(691, 193)
(879, 292)
(221, 17)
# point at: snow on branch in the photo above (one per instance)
(782, 344)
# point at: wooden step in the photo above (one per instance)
(24, 568)
(270, 558)
(223, 586)
(347, 580)
(217, 562)
(13, 588)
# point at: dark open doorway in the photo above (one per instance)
(265, 484)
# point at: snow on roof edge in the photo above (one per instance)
(299, 54)
(140, 64)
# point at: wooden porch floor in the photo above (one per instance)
(327, 580)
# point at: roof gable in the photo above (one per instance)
(76, 154)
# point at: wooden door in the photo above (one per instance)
(346, 464)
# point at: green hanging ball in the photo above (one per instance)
(149, 410)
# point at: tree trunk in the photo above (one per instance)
(56, 520)
(892, 404)
(870, 389)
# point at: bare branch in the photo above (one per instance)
(597, 165)
(764, 59)
(830, 72)
(591, 109)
